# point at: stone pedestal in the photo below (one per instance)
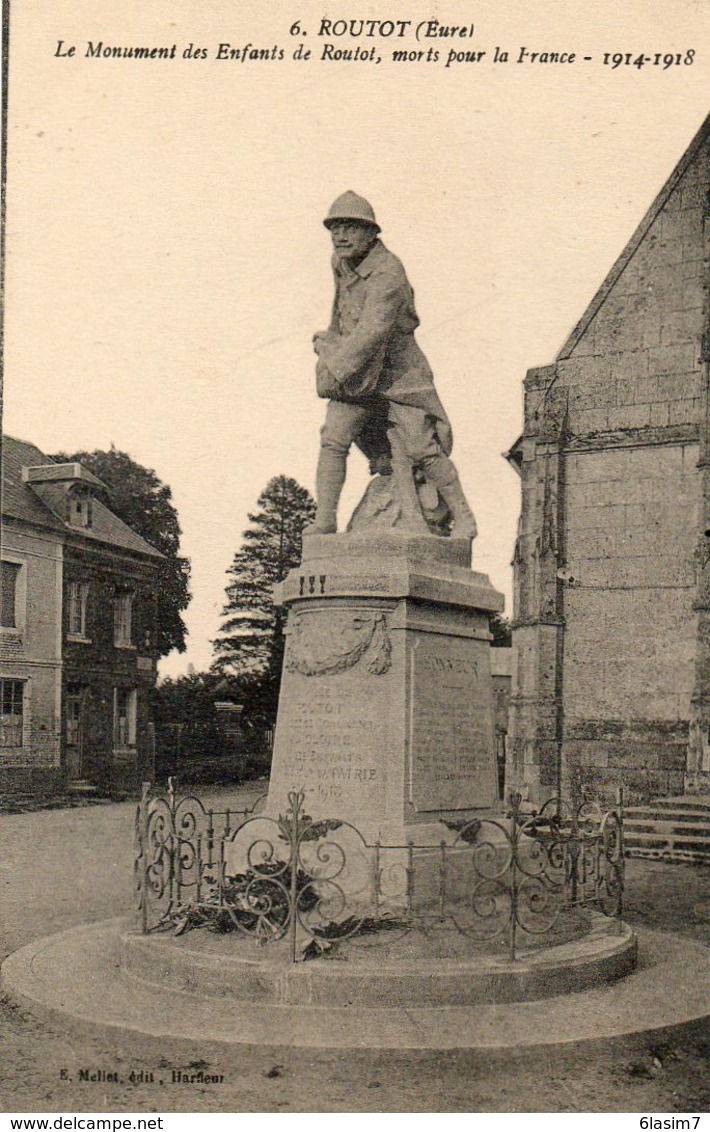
(386, 708)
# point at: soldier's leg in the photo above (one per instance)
(342, 424)
(418, 437)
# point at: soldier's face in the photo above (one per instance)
(352, 241)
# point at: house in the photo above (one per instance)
(77, 631)
(611, 623)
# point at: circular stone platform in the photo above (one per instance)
(387, 969)
(77, 976)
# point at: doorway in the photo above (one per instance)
(74, 730)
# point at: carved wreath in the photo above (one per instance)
(319, 653)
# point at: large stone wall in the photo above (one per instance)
(608, 621)
(629, 652)
(635, 363)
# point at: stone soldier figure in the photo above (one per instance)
(379, 383)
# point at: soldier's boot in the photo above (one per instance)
(330, 478)
(440, 471)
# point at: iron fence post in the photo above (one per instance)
(621, 866)
(515, 800)
(295, 800)
(220, 874)
(410, 875)
(210, 838)
(142, 822)
(173, 849)
(198, 868)
(574, 849)
(442, 880)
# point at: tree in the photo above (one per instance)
(502, 631)
(144, 503)
(251, 636)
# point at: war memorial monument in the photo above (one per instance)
(460, 921)
(386, 710)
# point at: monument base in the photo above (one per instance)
(386, 708)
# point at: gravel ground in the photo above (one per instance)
(64, 867)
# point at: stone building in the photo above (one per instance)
(77, 631)
(611, 626)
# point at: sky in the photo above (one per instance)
(167, 264)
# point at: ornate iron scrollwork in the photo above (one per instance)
(313, 882)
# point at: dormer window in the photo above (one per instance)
(80, 509)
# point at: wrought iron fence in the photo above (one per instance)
(315, 882)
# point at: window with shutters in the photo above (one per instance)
(123, 618)
(124, 717)
(77, 599)
(9, 594)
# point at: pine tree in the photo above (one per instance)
(251, 635)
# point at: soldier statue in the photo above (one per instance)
(379, 384)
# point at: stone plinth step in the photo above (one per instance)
(75, 979)
(656, 813)
(387, 973)
(665, 853)
(670, 829)
(662, 837)
(685, 802)
(667, 827)
(81, 786)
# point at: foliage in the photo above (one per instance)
(325, 944)
(258, 902)
(190, 700)
(251, 636)
(255, 900)
(192, 743)
(467, 829)
(502, 631)
(186, 725)
(144, 503)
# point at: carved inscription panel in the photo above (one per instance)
(452, 753)
(330, 743)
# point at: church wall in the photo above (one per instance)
(629, 492)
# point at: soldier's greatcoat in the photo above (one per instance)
(370, 346)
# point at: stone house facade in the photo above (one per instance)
(611, 622)
(77, 631)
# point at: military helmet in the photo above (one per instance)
(349, 206)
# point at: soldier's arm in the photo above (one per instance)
(347, 355)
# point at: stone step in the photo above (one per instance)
(672, 829)
(676, 854)
(75, 980)
(81, 786)
(660, 843)
(660, 837)
(668, 817)
(684, 802)
(667, 831)
(652, 813)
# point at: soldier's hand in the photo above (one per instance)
(326, 384)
